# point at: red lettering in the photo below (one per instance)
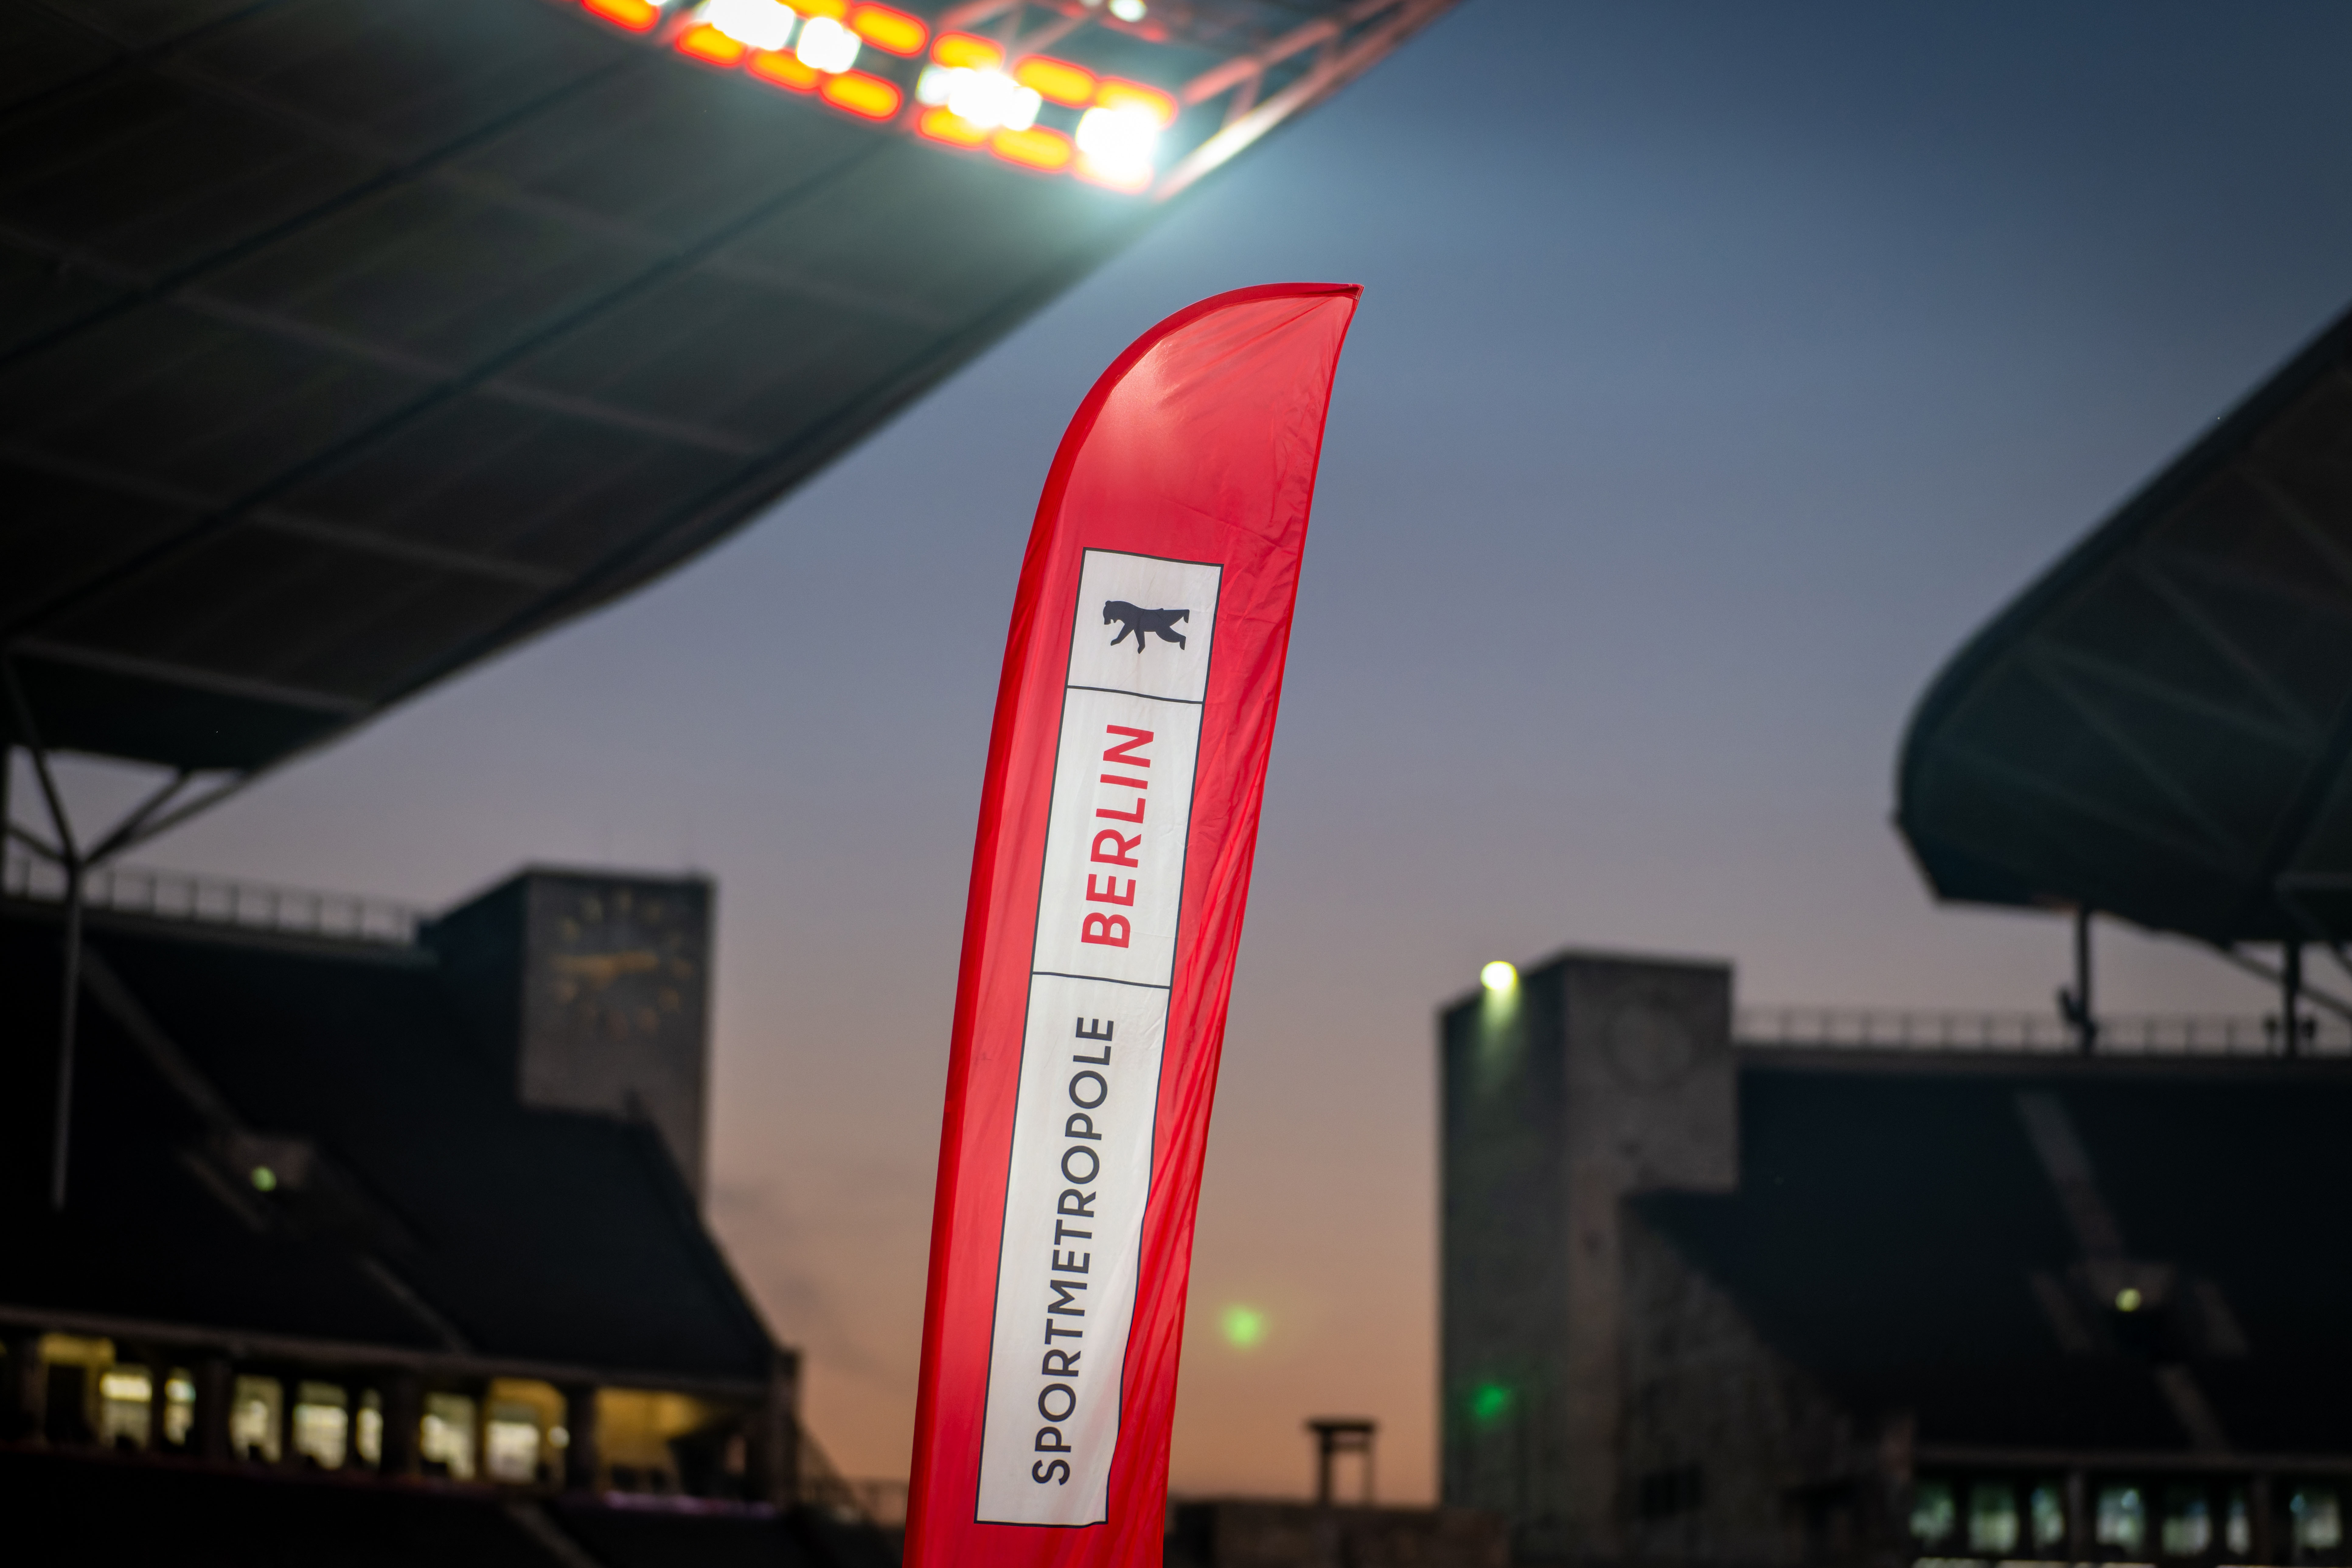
(1127, 784)
(1124, 752)
(1105, 931)
(1109, 895)
(1123, 849)
(1135, 816)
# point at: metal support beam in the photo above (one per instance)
(2290, 997)
(2075, 1006)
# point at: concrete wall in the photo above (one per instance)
(1598, 1076)
(1731, 1452)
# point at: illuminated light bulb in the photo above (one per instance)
(1498, 976)
(2128, 1300)
(964, 51)
(784, 70)
(1057, 81)
(827, 46)
(1127, 10)
(1117, 143)
(932, 87)
(992, 99)
(944, 124)
(707, 43)
(891, 31)
(861, 94)
(637, 15)
(762, 23)
(265, 1179)
(1031, 147)
(1114, 92)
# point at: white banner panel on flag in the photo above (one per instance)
(1104, 947)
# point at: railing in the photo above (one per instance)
(214, 901)
(2151, 1034)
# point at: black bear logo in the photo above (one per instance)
(1139, 621)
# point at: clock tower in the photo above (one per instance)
(591, 990)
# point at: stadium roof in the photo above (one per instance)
(2159, 728)
(347, 344)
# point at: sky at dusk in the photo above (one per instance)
(1720, 368)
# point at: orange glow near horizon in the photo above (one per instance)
(1036, 148)
(637, 15)
(1056, 81)
(863, 94)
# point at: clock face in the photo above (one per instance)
(620, 963)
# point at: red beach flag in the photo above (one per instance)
(1116, 826)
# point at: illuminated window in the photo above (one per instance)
(253, 1408)
(179, 1407)
(2188, 1522)
(2318, 1527)
(2122, 1520)
(510, 1443)
(1993, 1518)
(2048, 1511)
(1934, 1515)
(122, 1409)
(367, 1428)
(445, 1437)
(321, 1423)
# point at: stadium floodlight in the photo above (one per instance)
(760, 24)
(637, 15)
(827, 46)
(1118, 146)
(1056, 81)
(891, 31)
(986, 98)
(1048, 115)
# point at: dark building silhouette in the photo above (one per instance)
(387, 1234)
(1706, 1301)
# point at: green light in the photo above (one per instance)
(1498, 976)
(2128, 1300)
(265, 1179)
(1244, 1326)
(1489, 1403)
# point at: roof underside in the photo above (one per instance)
(342, 345)
(2159, 728)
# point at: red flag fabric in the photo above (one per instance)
(1117, 826)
